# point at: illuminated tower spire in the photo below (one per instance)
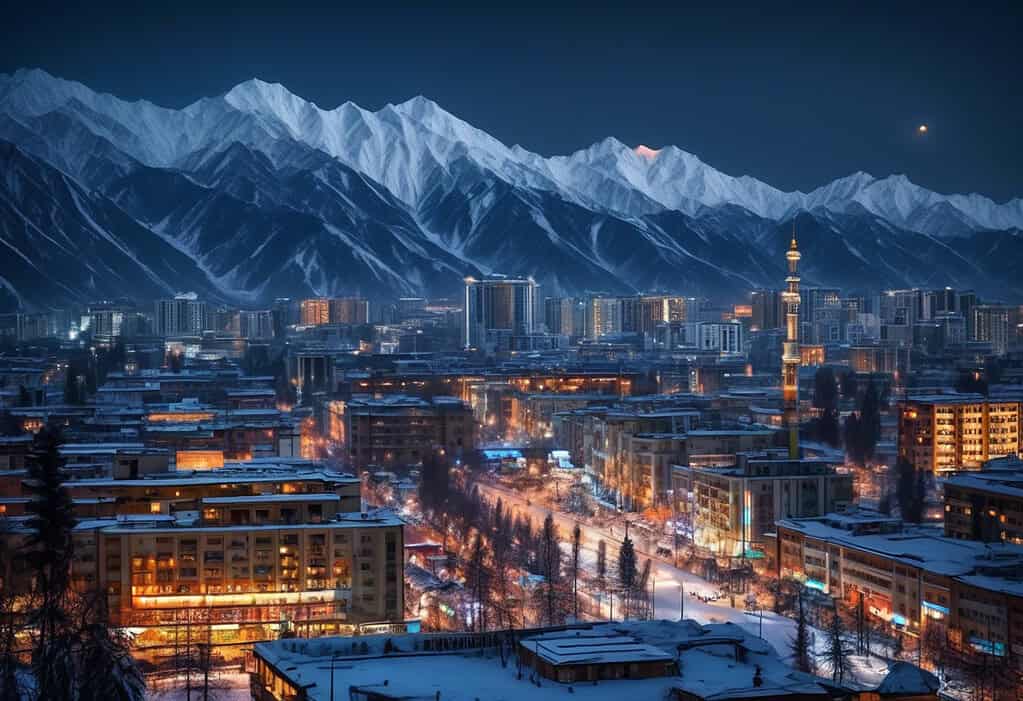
(790, 353)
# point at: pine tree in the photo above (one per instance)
(577, 541)
(802, 658)
(106, 669)
(49, 553)
(627, 572)
(549, 557)
(837, 651)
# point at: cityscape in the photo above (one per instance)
(304, 403)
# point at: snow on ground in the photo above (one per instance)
(227, 686)
(776, 629)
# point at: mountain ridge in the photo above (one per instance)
(409, 198)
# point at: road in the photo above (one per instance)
(778, 630)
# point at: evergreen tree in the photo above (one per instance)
(910, 491)
(825, 389)
(106, 669)
(627, 572)
(549, 558)
(837, 651)
(802, 658)
(577, 541)
(49, 554)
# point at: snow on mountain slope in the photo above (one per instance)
(259, 193)
(411, 146)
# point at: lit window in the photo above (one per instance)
(154, 508)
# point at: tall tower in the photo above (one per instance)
(790, 353)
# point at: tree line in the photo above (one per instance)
(502, 545)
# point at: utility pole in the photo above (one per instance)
(681, 600)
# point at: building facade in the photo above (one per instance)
(498, 305)
(942, 433)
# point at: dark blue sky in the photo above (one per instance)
(793, 94)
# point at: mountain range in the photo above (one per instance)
(259, 193)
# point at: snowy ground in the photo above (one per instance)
(777, 630)
(228, 686)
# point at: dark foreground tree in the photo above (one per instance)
(802, 658)
(106, 669)
(837, 651)
(627, 572)
(49, 554)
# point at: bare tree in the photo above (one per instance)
(478, 581)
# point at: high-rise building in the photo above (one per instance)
(563, 316)
(315, 312)
(281, 314)
(791, 358)
(991, 325)
(603, 316)
(184, 315)
(498, 305)
(256, 324)
(349, 310)
(678, 308)
(725, 337)
(767, 310)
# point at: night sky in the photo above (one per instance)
(795, 95)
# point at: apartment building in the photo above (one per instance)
(401, 430)
(731, 509)
(911, 578)
(986, 505)
(947, 432)
(233, 556)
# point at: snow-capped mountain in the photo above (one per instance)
(267, 193)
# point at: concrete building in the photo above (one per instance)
(731, 509)
(236, 556)
(986, 505)
(910, 578)
(947, 432)
(402, 430)
(991, 325)
(183, 315)
(498, 306)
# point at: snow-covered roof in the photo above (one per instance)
(592, 647)
(906, 679)
(269, 498)
(707, 654)
(920, 547)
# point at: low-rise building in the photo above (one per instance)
(986, 505)
(910, 577)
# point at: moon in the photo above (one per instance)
(922, 129)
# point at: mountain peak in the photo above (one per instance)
(644, 151)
